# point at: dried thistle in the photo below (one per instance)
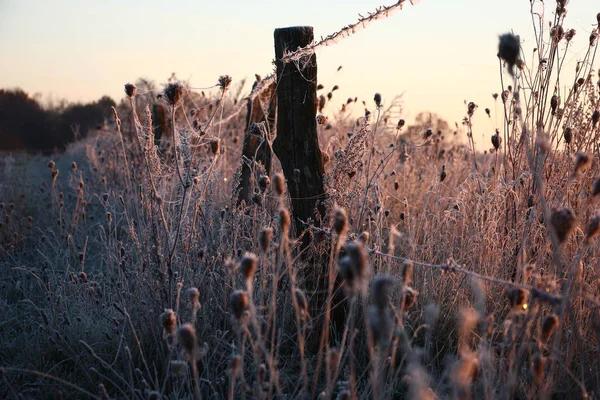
(562, 221)
(186, 334)
(224, 82)
(582, 161)
(279, 184)
(340, 221)
(167, 321)
(496, 140)
(238, 302)
(548, 326)
(284, 220)
(508, 50)
(248, 265)
(130, 89)
(264, 238)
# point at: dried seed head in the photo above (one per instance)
(407, 273)
(186, 334)
(167, 321)
(353, 266)
(443, 173)
(401, 123)
(279, 184)
(377, 99)
(381, 324)
(410, 297)
(130, 89)
(340, 221)
(596, 188)
(537, 367)
(321, 119)
(302, 303)
(264, 238)
(380, 290)
(554, 103)
(562, 221)
(248, 265)
(263, 182)
(173, 93)
(284, 220)
(595, 117)
(83, 276)
(496, 140)
(364, 237)
(593, 227)
(568, 134)
(224, 82)
(549, 325)
(508, 50)
(238, 302)
(193, 296)
(517, 297)
(582, 161)
(215, 145)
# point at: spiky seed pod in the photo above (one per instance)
(548, 326)
(488, 112)
(238, 302)
(410, 297)
(596, 188)
(396, 185)
(568, 134)
(186, 334)
(51, 164)
(401, 123)
(322, 119)
(173, 93)
(570, 34)
(428, 133)
(193, 296)
(248, 265)
(496, 140)
(517, 297)
(264, 238)
(443, 173)
(593, 227)
(279, 184)
(215, 145)
(582, 161)
(130, 89)
(284, 220)
(471, 107)
(508, 50)
(595, 117)
(363, 238)
(562, 221)
(302, 303)
(83, 276)
(380, 290)
(167, 321)
(224, 82)
(340, 221)
(554, 104)
(377, 99)
(407, 273)
(537, 367)
(263, 182)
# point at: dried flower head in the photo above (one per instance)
(264, 238)
(582, 161)
(517, 297)
(322, 119)
(508, 50)
(410, 297)
(173, 93)
(130, 89)
(248, 265)
(548, 326)
(279, 184)
(284, 220)
(224, 82)
(364, 237)
(167, 321)
(377, 99)
(186, 335)
(340, 221)
(215, 145)
(562, 221)
(193, 295)
(263, 182)
(238, 302)
(496, 140)
(380, 290)
(568, 135)
(353, 266)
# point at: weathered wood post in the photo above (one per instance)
(297, 143)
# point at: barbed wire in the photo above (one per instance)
(348, 30)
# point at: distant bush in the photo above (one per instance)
(26, 126)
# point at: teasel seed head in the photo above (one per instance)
(173, 93)
(248, 265)
(380, 290)
(377, 99)
(562, 221)
(168, 321)
(340, 221)
(548, 326)
(284, 220)
(130, 89)
(186, 334)
(496, 140)
(264, 238)
(238, 302)
(279, 184)
(193, 296)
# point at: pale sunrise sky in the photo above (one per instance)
(437, 52)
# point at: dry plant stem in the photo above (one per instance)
(128, 173)
(54, 378)
(368, 170)
(324, 343)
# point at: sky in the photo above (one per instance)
(437, 53)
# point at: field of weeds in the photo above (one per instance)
(145, 267)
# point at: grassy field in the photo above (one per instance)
(128, 268)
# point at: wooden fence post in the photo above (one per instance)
(297, 143)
